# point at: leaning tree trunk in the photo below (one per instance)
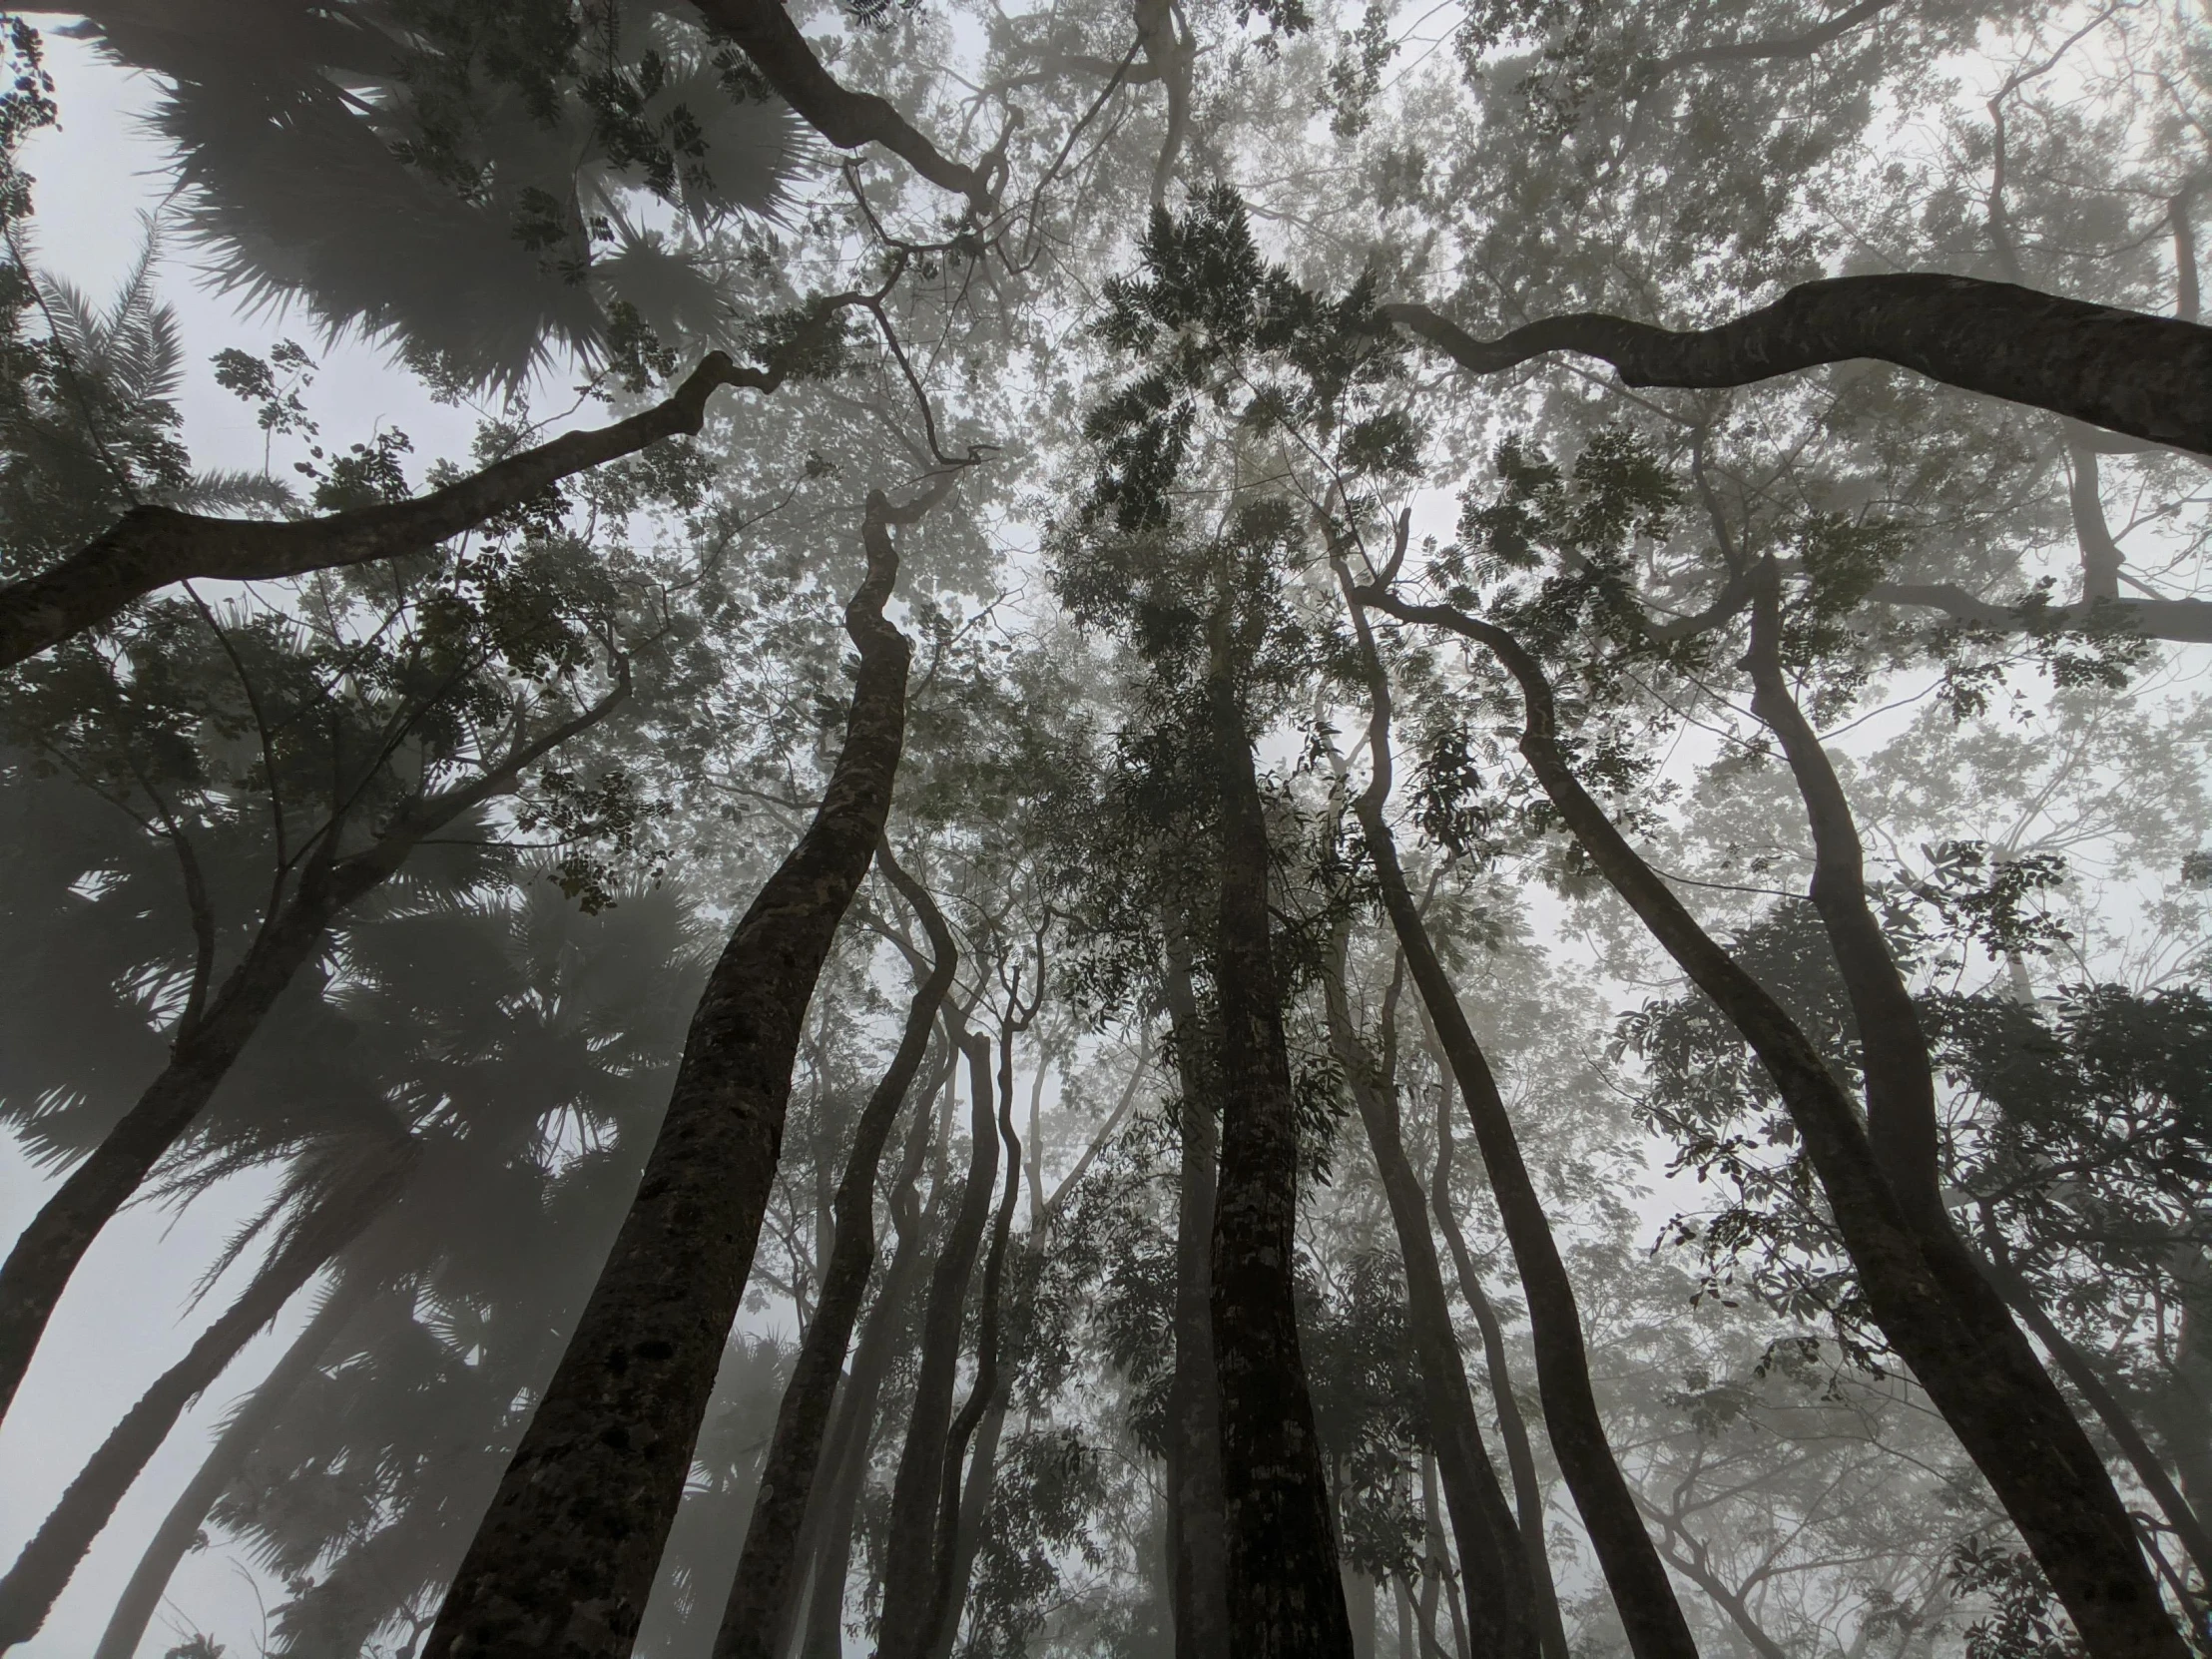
(1987, 1386)
(47, 1563)
(46, 1255)
(1521, 1455)
(47, 1251)
(1501, 1601)
(829, 1520)
(1642, 1592)
(564, 1561)
(2063, 1497)
(2148, 376)
(910, 1553)
(1200, 1594)
(1285, 1599)
(179, 1528)
(752, 1619)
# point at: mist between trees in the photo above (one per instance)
(1277, 831)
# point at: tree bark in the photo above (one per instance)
(2148, 376)
(1201, 1562)
(753, 1620)
(1513, 1428)
(2187, 1527)
(180, 1528)
(1634, 1572)
(910, 1554)
(152, 547)
(1285, 1600)
(47, 1251)
(1983, 1379)
(1501, 1602)
(831, 1520)
(2185, 621)
(562, 1564)
(846, 118)
(962, 1488)
(50, 1559)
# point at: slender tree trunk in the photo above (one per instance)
(1437, 1577)
(949, 1591)
(180, 1528)
(563, 1563)
(1642, 1592)
(1201, 1564)
(1501, 1602)
(910, 1554)
(2067, 1508)
(829, 1520)
(1285, 1601)
(47, 1563)
(753, 1620)
(1513, 1428)
(2148, 376)
(976, 1500)
(47, 1251)
(1980, 1374)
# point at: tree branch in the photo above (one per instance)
(2146, 376)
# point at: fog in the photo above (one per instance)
(924, 830)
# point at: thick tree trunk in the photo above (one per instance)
(47, 1251)
(753, 1620)
(1983, 1379)
(152, 547)
(2148, 376)
(1285, 1601)
(1642, 1591)
(1501, 1602)
(179, 1528)
(1200, 1559)
(829, 1520)
(910, 1553)
(1513, 1428)
(47, 1563)
(562, 1564)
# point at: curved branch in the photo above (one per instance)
(151, 547)
(848, 118)
(2148, 376)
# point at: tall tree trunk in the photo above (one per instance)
(2148, 376)
(47, 1563)
(1501, 1602)
(47, 1251)
(1983, 1379)
(976, 1500)
(830, 1518)
(910, 1553)
(949, 1591)
(1642, 1591)
(752, 1619)
(1436, 1580)
(180, 1528)
(1285, 1601)
(564, 1561)
(1201, 1564)
(2066, 1507)
(1513, 1428)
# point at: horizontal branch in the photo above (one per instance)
(2148, 376)
(150, 548)
(2187, 621)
